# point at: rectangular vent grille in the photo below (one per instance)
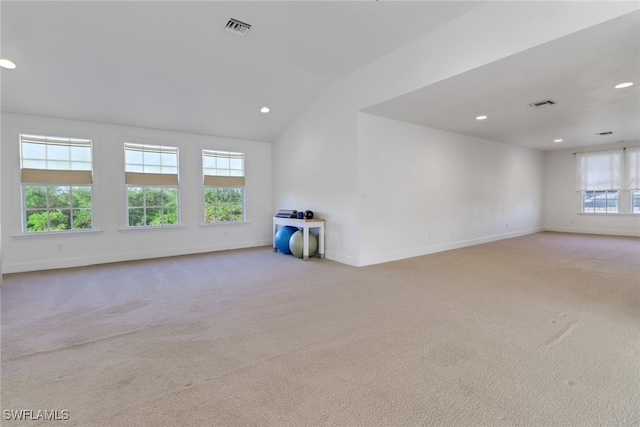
(545, 103)
(605, 133)
(237, 27)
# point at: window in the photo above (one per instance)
(600, 201)
(151, 177)
(632, 169)
(599, 178)
(57, 178)
(223, 178)
(635, 201)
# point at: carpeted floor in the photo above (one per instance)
(541, 330)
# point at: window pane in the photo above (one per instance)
(600, 201)
(237, 213)
(169, 159)
(135, 168)
(222, 163)
(136, 217)
(635, 202)
(59, 197)
(236, 195)
(208, 162)
(81, 197)
(135, 196)
(152, 169)
(58, 165)
(36, 221)
(170, 197)
(170, 170)
(34, 164)
(209, 214)
(58, 152)
(132, 157)
(49, 207)
(223, 204)
(35, 197)
(82, 154)
(170, 215)
(154, 206)
(210, 196)
(81, 219)
(151, 158)
(223, 213)
(237, 164)
(60, 219)
(80, 166)
(153, 197)
(154, 216)
(33, 151)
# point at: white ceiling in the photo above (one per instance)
(578, 72)
(170, 65)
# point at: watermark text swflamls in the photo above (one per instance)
(35, 415)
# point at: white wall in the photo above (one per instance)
(562, 201)
(318, 163)
(1, 279)
(111, 241)
(425, 190)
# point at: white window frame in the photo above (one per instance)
(603, 172)
(606, 199)
(632, 173)
(157, 168)
(223, 170)
(51, 162)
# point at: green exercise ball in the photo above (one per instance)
(295, 243)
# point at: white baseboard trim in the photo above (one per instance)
(341, 258)
(396, 256)
(126, 256)
(607, 232)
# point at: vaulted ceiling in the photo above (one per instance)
(171, 65)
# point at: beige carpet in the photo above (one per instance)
(542, 330)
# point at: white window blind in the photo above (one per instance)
(223, 168)
(150, 164)
(632, 168)
(599, 170)
(54, 160)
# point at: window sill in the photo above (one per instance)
(56, 233)
(154, 227)
(608, 214)
(217, 224)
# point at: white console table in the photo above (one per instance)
(305, 225)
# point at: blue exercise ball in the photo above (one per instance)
(282, 238)
(296, 246)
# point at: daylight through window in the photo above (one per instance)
(57, 178)
(151, 177)
(223, 179)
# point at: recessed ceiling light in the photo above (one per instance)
(5, 63)
(481, 118)
(623, 85)
(265, 109)
(557, 140)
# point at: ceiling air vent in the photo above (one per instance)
(545, 103)
(237, 27)
(604, 133)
